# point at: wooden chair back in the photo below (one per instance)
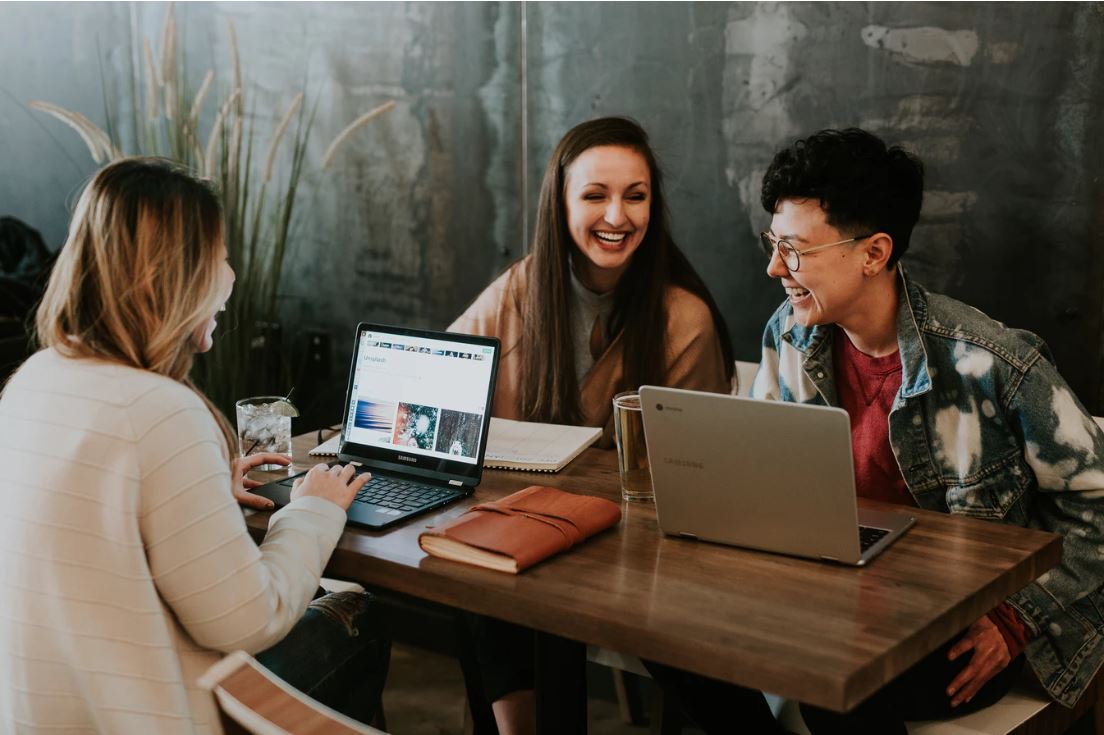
(252, 700)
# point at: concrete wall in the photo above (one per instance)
(50, 53)
(996, 98)
(1000, 100)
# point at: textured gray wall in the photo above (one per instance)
(1000, 100)
(50, 53)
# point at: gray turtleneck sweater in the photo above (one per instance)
(586, 306)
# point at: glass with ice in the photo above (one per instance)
(264, 425)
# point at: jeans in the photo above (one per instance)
(335, 655)
(918, 694)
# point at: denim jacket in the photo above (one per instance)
(983, 425)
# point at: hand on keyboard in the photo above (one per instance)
(338, 484)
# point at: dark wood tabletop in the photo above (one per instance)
(819, 633)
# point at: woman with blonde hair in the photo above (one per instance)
(126, 566)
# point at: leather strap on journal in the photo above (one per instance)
(565, 526)
(531, 524)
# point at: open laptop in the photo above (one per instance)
(417, 411)
(765, 475)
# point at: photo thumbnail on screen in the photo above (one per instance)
(458, 433)
(375, 415)
(415, 426)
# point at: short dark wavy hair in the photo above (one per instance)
(862, 185)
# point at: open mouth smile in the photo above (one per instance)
(610, 238)
(797, 295)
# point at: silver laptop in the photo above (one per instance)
(765, 475)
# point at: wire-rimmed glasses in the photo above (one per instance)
(790, 255)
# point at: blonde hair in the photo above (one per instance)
(139, 272)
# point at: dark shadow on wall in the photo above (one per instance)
(24, 267)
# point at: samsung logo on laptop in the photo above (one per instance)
(404, 458)
(684, 463)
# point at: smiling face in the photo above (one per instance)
(829, 285)
(203, 336)
(607, 191)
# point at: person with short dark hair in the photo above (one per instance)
(950, 411)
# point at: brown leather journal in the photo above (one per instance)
(516, 532)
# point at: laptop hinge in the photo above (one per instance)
(456, 483)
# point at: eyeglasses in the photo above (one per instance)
(790, 255)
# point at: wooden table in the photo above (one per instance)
(823, 634)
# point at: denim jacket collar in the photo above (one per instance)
(912, 309)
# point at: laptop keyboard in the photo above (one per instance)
(393, 496)
(399, 496)
(868, 536)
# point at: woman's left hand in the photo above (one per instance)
(989, 658)
(240, 468)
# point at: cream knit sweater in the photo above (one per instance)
(125, 564)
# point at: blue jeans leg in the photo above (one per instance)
(335, 655)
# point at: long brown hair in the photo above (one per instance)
(549, 389)
(139, 272)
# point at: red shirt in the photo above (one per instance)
(866, 387)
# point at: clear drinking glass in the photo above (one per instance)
(264, 425)
(632, 452)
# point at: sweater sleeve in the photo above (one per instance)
(224, 590)
(483, 316)
(695, 360)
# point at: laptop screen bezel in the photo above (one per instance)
(466, 473)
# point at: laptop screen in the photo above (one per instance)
(421, 399)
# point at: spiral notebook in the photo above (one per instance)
(517, 445)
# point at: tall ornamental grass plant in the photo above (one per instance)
(259, 193)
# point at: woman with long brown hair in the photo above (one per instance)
(605, 302)
(126, 565)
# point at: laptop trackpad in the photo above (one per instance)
(278, 491)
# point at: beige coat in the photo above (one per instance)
(694, 357)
